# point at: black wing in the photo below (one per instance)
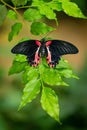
(30, 49)
(58, 48)
(26, 48)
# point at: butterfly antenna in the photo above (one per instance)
(48, 34)
(45, 35)
(41, 37)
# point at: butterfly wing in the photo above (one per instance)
(29, 48)
(57, 48)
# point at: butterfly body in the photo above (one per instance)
(51, 49)
(42, 50)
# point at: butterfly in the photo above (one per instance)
(51, 49)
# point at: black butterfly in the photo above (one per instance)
(52, 49)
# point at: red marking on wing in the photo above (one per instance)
(36, 59)
(48, 43)
(38, 43)
(49, 57)
(49, 60)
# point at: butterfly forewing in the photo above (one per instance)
(29, 48)
(62, 47)
(57, 48)
(25, 48)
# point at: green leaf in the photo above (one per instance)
(30, 73)
(47, 0)
(62, 1)
(47, 11)
(63, 64)
(55, 5)
(12, 15)
(38, 28)
(37, 3)
(67, 73)
(45, 8)
(14, 30)
(19, 2)
(20, 58)
(19, 64)
(32, 15)
(53, 78)
(17, 67)
(3, 13)
(73, 10)
(65, 70)
(30, 92)
(49, 102)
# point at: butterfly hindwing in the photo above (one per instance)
(29, 48)
(57, 48)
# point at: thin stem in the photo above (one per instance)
(15, 10)
(6, 4)
(11, 7)
(22, 7)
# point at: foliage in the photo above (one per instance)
(72, 102)
(14, 30)
(41, 78)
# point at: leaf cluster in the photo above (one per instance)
(41, 80)
(36, 11)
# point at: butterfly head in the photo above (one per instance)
(43, 41)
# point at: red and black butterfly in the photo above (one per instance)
(52, 49)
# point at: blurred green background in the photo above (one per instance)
(73, 99)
